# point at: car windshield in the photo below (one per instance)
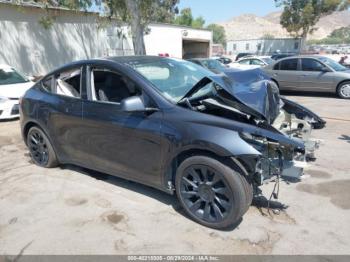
(268, 60)
(213, 64)
(333, 64)
(9, 76)
(173, 77)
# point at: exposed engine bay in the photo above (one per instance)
(281, 129)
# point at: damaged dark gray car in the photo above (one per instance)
(173, 125)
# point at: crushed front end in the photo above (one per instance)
(277, 159)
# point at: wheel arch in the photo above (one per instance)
(340, 83)
(31, 123)
(27, 126)
(244, 164)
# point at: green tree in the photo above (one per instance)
(267, 36)
(343, 33)
(299, 17)
(219, 36)
(338, 36)
(185, 17)
(198, 22)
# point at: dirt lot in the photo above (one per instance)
(68, 210)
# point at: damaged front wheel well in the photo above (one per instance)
(234, 163)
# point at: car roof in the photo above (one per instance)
(123, 60)
(304, 56)
(250, 56)
(129, 59)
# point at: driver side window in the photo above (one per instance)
(112, 87)
(312, 65)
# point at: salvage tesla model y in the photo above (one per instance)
(172, 125)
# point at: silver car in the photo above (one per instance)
(310, 73)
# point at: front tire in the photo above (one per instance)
(40, 148)
(210, 192)
(343, 90)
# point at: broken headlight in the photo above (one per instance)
(270, 163)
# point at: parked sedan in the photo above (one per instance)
(212, 64)
(311, 73)
(169, 124)
(251, 62)
(223, 60)
(12, 86)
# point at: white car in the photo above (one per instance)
(13, 85)
(251, 62)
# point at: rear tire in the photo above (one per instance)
(211, 193)
(40, 148)
(343, 90)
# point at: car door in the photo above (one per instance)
(61, 111)
(125, 144)
(315, 76)
(287, 74)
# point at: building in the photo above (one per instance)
(33, 49)
(218, 50)
(264, 46)
(178, 41)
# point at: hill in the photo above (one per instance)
(250, 26)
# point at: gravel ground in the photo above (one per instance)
(69, 210)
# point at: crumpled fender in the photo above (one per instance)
(302, 112)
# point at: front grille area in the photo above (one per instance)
(15, 110)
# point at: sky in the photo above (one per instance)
(223, 10)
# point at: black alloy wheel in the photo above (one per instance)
(212, 193)
(206, 193)
(40, 148)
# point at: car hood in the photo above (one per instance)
(15, 90)
(252, 90)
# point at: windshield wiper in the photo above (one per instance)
(202, 83)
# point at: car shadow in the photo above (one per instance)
(308, 94)
(262, 202)
(161, 196)
(290, 180)
(156, 194)
(346, 138)
(9, 120)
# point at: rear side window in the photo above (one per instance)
(68, 83)
(289, 65)
(47, 84)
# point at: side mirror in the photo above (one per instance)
(132, 104)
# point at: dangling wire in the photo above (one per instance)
(275, 193)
